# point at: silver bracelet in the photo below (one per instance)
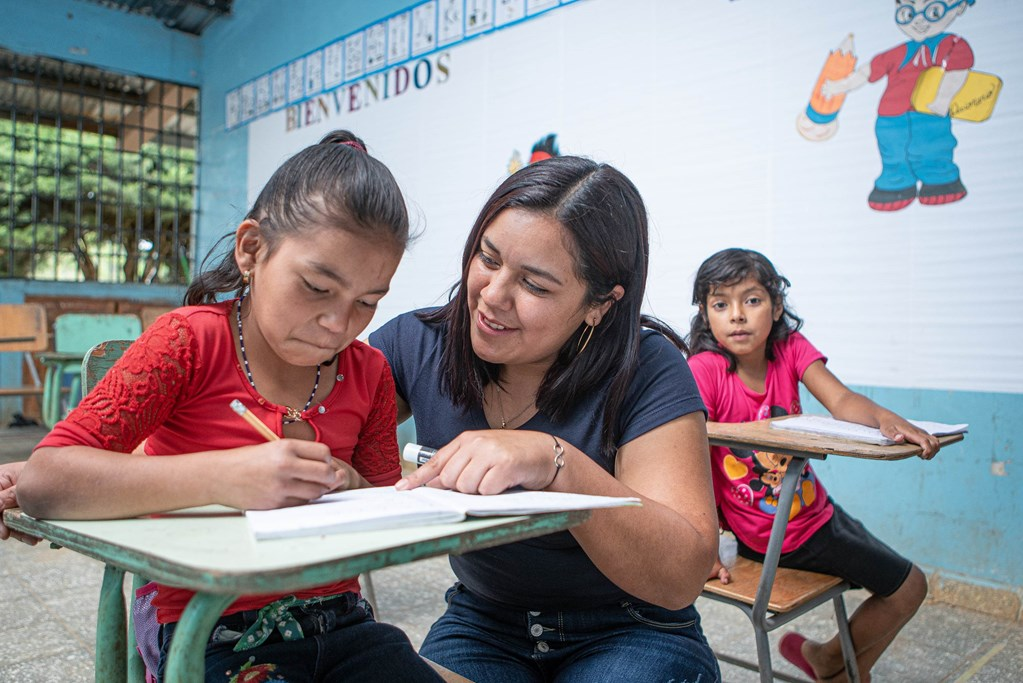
(559, 459)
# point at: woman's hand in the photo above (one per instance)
(9, 499)
(489, 462)
(900, 430)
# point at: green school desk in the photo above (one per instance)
(209, 550)
(800, 446)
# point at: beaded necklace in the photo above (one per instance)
(290, 414)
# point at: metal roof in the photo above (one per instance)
(189, 16)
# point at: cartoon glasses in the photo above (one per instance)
(932, 11)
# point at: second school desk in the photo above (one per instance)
(210, 550)
(801, 446)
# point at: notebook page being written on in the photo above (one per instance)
(384, 508)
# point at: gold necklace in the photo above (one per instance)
(500, 406)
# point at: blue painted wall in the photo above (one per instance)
(90, 34)
(955, 513)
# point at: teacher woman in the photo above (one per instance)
(538, 373)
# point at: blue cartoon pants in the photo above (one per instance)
(915, 147)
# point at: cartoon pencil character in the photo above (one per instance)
(916, 145)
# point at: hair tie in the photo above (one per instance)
(354, 144)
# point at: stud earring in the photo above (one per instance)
(246, 278)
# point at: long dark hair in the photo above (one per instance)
(332, 183)
(729, 267)
(603, 214)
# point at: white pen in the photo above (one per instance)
(420, 455)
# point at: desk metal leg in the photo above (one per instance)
(845, 637)
(136, 667)
(187, 657)
(111, 628)
(781, 521)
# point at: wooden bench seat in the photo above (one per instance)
(792, 587)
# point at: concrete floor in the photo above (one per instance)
(48, 611)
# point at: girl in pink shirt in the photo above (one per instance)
(748, 359)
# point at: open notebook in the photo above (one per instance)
(385, 508)
(829, 426)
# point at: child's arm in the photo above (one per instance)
(845, 404)
(81, 482)
(9, 499)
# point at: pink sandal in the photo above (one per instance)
(791, 648)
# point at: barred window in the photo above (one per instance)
(97, 173)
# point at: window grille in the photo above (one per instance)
(97, 173)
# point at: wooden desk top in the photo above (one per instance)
(759, 436)
(210, 549)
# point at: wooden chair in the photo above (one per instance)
(794, 593)
(74, 334)
(23, 330)
(772, 596)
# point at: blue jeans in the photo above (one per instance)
(484, 641)
(343, 643)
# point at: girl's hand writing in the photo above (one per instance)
(348, 477)
(278, 474)
(488, 462)
(900, 430)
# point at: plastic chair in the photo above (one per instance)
(23, 330)
(73, 335)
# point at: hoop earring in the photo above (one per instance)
(583, 343)
(246, 278)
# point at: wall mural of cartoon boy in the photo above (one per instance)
(914, 122)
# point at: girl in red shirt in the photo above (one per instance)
(310, 262)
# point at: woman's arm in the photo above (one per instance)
(81, 482)
(661, 552)
(845, 404)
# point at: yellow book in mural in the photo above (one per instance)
(974, 102)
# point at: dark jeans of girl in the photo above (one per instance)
(342, 642)
(628, 641)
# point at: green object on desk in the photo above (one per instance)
(210, 550)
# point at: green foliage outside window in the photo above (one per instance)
(74, 206)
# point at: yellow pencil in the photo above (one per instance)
(264, 431)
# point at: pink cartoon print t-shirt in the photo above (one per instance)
(747, 483)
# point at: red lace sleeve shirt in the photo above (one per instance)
(173, 388)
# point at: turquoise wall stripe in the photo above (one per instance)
(91, 34)
(955, 512)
